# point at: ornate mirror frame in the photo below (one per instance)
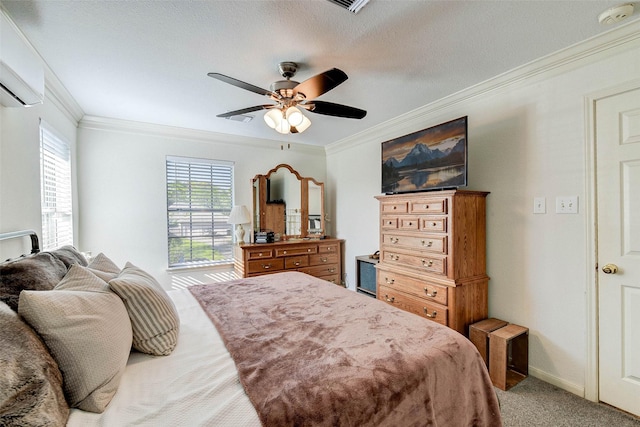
(296, 221)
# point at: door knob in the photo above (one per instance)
(610, 269)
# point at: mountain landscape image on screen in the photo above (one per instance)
(433, 158)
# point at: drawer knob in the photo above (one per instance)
(309, 250)
(389, 281)
(390, 222)
(332, 270)
(433, 224)
(431, 315)
(410, 223)
(392, 299)
(394, 240)
(284, 252)
(432, 294)
(297, 263)
(324, 259)
(260, 254)
(426, 206)
(394, 257)
(426, 263)
(266, 266)
(395, 207)
(427, 244)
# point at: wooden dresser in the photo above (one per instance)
(319, 258)
(433, 255)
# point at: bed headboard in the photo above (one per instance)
(35, 246)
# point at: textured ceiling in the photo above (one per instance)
(148, 61)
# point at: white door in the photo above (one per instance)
(618, 217)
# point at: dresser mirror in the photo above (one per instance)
(288, 204)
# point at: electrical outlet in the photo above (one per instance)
(567, 204)
(539, 205)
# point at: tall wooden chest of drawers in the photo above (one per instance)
(433, 255)
(319, 258)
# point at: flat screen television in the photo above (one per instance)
(430, 159)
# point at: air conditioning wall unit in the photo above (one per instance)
(21, 70)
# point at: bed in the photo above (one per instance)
(274, 350)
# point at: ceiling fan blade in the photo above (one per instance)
(245, 110)
(337, 110)
(321, 83)
(244, 85)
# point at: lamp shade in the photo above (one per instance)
(273, 117)
(294, 116)
(304, 125)
(239, 215)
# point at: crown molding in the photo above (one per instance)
(163, 131)
(578, 55)
(58, 95)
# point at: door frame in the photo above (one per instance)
(591, 385)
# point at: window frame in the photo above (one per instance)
(56, 188)
(196, 226)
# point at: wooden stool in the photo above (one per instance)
(479, 335)
(508, 356)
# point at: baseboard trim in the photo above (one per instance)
(558, 382)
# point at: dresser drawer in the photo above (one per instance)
(389, 223)
(259, 266)
(296, 261)
(433, 206)
(435, 244)
(328, 248)
(322, 270)
(259, 253)
(419, 288)
(333, 278)
(431, 264)
(408, 223)
(421, 307)
(323, 259)
(433, 224)
(394, 207)
(296, 251)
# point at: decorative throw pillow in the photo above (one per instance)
(154, 318)
(39, 272)
(30, 381)
(103, 267)
(69, 255)
(88, 332)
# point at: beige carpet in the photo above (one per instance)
(536, 403)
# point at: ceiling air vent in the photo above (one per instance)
(351, 5)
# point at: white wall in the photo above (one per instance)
(122, 190)
(526, 139)
(20, 169)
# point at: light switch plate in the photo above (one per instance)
(567, 204)
(539, 205)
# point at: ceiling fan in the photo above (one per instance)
(284, 116)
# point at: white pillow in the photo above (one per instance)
(87, 331)
(154, 318)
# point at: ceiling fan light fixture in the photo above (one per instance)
(302, 126)
(294, 116)
(283, 127)
(273, 117)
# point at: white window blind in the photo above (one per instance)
(55, 189)
(199, 200)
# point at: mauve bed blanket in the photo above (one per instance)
(310, 353)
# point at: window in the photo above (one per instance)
(199, 200)
(55, 189)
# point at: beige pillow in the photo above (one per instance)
(88, 332)
(154, 318)
(103, 267)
